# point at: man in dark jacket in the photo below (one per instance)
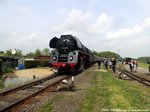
(113, 65)
(99, 64)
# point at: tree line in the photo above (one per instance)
(46, 51)
(19, 53)
(144, 59)
(107, 54)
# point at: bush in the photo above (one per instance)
(9, 70)
(31, 63)
(35, 63)
(1, 61)
(1, 82)
(43, 63)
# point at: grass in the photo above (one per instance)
(47, 108)
(108, 93)
(143, 65)
(91, 95)
(112, 94)
(123, 95)
(1, 82)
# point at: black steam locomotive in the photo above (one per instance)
(69, 54)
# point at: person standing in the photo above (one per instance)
(134, 66)
(113, 65)
(106, 64)
(110, 64)
(149, 65)
(99, 64)
(130, 66)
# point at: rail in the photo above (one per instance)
(133, 76)
(21, 100)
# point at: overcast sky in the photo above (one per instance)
(101, 25)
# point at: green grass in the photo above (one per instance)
(108, 93)
(143, 65)
(1, 82)
(47, 108)
(91, 95)
(111, 94)
(123, 95)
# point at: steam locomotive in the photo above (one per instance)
(70, 55)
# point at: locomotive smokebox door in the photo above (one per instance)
(53, 42)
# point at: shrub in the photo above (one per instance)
(31, 63)
(35, 63)
(43, 63)
(9, 70)
(1, 61)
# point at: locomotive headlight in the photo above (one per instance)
(54, 58)
(71, 58)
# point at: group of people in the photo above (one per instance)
(133, 64)
(111, 63)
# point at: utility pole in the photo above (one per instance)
(118, 51)
(118, 55)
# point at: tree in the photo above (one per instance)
(8, 52)
(31, 54)
(2, 53)
(46, 51)
(18, 53)
(38, 53)
(144, 59)
(95, 53)
(107, 54)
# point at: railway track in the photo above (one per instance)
(140, 79)
(15, 97)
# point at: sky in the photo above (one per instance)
(121, 26)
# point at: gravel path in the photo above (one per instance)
(68, 101)
(20, 77)
(28, 73)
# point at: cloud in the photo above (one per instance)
(23, 9)
(102, 23)
(78, 21)
(104, 33)
(97, 31)
(28, 39)
(146, 22)
(75, 21)
(128, 31)
(19, 40)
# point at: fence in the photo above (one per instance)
(7, 65)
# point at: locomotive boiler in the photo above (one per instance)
(69, 54)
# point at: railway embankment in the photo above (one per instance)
(95, 90)
(99, 90)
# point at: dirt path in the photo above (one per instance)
(71, 101)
